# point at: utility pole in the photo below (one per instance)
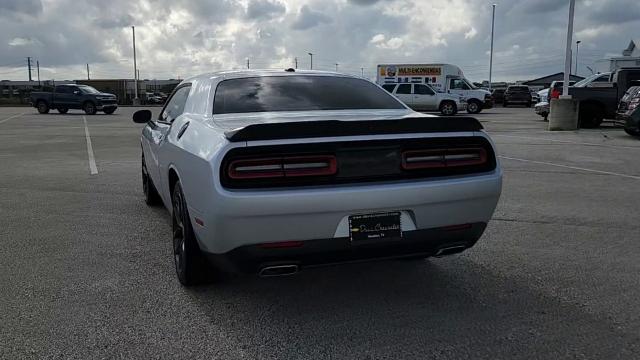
(29, 66)
(138, 74)
(38, 67)
(337, 67)
(135, 67)
(577, 47)
(362, 70)
(248, 63)
(295, 59)
(311, 55)
(567, 59)
(88, 77)
(493, 21)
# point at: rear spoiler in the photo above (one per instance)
(330, 128)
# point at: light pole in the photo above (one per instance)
(311, 55)
(567, 56)
(362, 70)
(135, 67)
(337, 67)
(577, 47)
(493, 20)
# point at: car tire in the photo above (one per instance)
(590, 116)
(474, 107)
(109, 111)
(151, 196)
(63, 110)
(448, 108)
(191, 266)
(43, 107)
(632, 132)
(89, 108)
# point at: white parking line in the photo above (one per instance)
(10, 117)
(572, 167)
(566, 141)
(92, 160)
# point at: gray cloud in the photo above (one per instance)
(186, 37)
(265, 9)
(26, 7)
(309, 18)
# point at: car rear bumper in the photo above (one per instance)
(242, 218)
(628, 122)
(542, 108)
(321, 252)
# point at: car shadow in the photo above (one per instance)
(449, 308)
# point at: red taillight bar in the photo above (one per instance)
(287, 166)
(442, 158)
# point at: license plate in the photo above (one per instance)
(375, 227)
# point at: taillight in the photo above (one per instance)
(443, 158)
(284, 166)
(555, 93)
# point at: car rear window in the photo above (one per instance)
(299, 93)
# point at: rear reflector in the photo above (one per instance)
(287, 166)
(443, 158)
(282, 244)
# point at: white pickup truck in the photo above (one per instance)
(422, 97)
(444, 78)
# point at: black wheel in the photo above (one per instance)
(109, 111)
(89, 108)
(632, 132)
(590, 116)
(43, 107)
(448, 108)
(191, 266)
(474, 107)
(151, 196)
(63, 110)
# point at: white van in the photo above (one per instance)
(441, 77)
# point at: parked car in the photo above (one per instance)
(535, 97)
(272, 171)
(542, 106)
(497, 95)
(446, 78)
(422, 97)
(555, 89)
(601, 102)
(517, 94)
(151, 98)
(72, 96)
(628, 114)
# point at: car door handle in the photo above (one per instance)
(182, 130)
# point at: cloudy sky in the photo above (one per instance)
(178, 38)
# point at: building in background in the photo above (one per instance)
(545, 81)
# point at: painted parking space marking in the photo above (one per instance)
(571, 167)
(11, 117)
(92, 160)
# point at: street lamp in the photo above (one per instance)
(567, 58)
(135, 67)
(311, 55)
(493, 20)
(577, 47)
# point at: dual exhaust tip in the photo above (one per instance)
(279, 270)
(292, 269)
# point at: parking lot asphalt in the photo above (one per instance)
(86, 269)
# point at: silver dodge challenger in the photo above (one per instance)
(271, 172)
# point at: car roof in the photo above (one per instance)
(237, 74)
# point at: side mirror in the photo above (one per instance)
(142, 116)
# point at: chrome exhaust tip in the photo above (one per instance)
(278, 270)
(449, 250)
